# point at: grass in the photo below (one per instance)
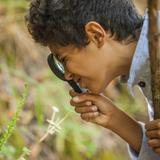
(12, 124)
(14, 5)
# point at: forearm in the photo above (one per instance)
(127, 128)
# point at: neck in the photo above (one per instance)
(127, 52)
(121, 58)
(124, 61)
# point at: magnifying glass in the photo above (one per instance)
(58, 69)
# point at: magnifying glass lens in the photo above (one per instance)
(59, 65)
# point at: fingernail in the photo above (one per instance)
(94, 108)
(76, 99)
(96, 113)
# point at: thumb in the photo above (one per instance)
(87, 97)
(99, 100)
(72, 93)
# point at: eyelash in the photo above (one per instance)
(64, 60)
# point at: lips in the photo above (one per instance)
(81, 84)
(79, 81)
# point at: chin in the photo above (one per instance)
(96, 90)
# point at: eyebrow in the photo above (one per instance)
(55, 54)
(58, 56)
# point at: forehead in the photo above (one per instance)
(69, 50)
(60, 49)
(55, 50)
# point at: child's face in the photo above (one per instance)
(91, 67)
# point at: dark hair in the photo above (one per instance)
(63, 22)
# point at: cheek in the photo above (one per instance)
(80, 65)
(75, 68)
(98, 84)
(84, 67)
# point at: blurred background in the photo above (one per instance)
(22, 61)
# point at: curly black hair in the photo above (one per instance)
(63, 22)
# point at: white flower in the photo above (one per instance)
(54, 124)
(55, 109)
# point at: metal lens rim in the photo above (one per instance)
(59, 65)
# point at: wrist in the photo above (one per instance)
(115, 119)
(127, 128)
(110, 116)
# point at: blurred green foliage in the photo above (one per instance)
(14, 6)
(12, 124)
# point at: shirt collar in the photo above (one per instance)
(140, 55)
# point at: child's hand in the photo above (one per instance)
(153, 133)
(94, 108)
(100, 110)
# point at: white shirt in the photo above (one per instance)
(140, 75)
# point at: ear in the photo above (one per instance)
(95, 33)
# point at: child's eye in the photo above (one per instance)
(64, 60)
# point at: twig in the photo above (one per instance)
(154, 50)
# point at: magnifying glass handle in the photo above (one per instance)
(76, 87)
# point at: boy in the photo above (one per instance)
(98, 40)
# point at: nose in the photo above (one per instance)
(68, 76)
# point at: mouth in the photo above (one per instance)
(85, 87)
(79, 81)
(82, 84)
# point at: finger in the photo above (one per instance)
(153, 134)
(154, 143)
(87, 103)
(157, 150)
(89, 116)
(72, 93)
(86, 109)
(88, 97)
(153, 125)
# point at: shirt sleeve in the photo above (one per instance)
(146, 152)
